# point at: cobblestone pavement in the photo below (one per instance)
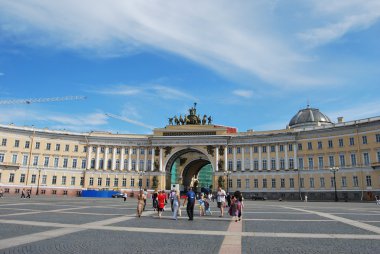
(84, 225)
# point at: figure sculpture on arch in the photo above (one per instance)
(209, 120)
(204, 120)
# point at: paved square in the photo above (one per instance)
(80, 225)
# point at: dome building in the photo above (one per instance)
(309, 117)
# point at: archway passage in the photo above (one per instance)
(187, 168)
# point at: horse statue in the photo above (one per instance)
(170, 120)
(181, 120)
(187, 120)
(176, 121)
(209, 120)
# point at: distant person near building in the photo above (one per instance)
(190, 199)
(23, 193)
(221, 200)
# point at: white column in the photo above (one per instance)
(97, 157)
(152, 162)
(145, 159)
(242, 158)
(268, 158)
(216, 159)
(234, 159)
(113, 166)
(250, 158)
(295, 155)
(161, 162)
(260, 159)
(225, 159)
(122, 158)
(89, 151)
(129, 158)
(105, 164)
(138, 159)
(286, 157)
(277, 159)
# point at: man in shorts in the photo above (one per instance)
(221, 200)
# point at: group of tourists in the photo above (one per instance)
(160, 199)
(25, 193)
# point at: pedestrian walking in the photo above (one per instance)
(240, 204)
(161, 202)
(155, 200)
(171, 197)
(23, 193)
(176, 204)
(221, 200)
(305, 198)
(228, 198)
(28, 192)
(146, 196)
(1, 193)
(125, 196)
(190, 200)
(201, 202)
(141, 198)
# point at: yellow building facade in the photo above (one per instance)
(312, 156)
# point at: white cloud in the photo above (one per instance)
(243, 93)
(119, 90)
(1, 74)
(356, 112)
(171, 93)
(132, 121)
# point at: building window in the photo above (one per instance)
(72, 180)
(300, 163)
(109, 164)
(355, 181)
(341, 144)
(44, 179)
(342, 160)
(81, 181)
(46, 162)
(75, 161)
(33, 179)
(368, 181)
(132, 182)
(22, 178)
(38, 144)
(126, 150)
(282, 182)
(238, 149)
(264, 164)
(299, 147)
(94, 148)
(264, 149)
(247, 184)
(142, 165)
(332, 182)
(1, 157)
(84, 163)
(264, 183)
(134, 151)
(309, 146)
(331, 161)
(378, 156)
(124, 182)
(147, 182)
(353, 159)
(229, 183)
(311, 182)
(101, 163)
(4, 142)
(67, 148)
(48, 146)
(255, 149)
(230, 165)
(273, 183)
(150, 151)
(344, 181)
(273, 164)
(364, 140)
(322, 182)
(282, 164)
(57, 147)
(256, 165)
(302, 182)
(118, 150)
(54, 192)
(290, 147)
(311, 162)
(11, 177)
(255, 183)
(65, 162)
(17, 143)
(125, 164)
(320, 162)
(238, 183)
(92, 163)
(27, 144)
(91, 183)
(108, 181)
(366, 159)
(352, 141)
(99, 181)
(330, 144)
(291, 163)
(291, 182)
(133, 165)
(25, 160)
(272, 149)
(377, 138)
(14, 158)
(117, 164)
(115, 182)
(63, 180)
(76, 148)
(54, 180)
(281, 148)
(319, 145)
(35, 160)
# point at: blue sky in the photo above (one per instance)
(249, 64)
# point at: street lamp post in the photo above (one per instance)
(334, 170)
(38, 181)
(227, 173)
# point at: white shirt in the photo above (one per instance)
(221, 196)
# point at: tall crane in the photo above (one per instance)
(40, 100)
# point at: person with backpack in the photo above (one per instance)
(190, 199)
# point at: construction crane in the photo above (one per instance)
(40, 100)
(130, 121)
